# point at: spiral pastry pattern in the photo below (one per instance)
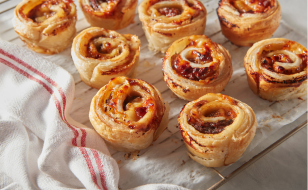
(101, 54)
(165, 21)
(194, 66)
(245, 22)
(128, 113)
(277, 69)
(217, 129)
(47, 26)
(109, 14)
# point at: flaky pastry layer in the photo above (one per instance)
(217, 129)
(277, 69)
(47, 26)
(194, 66)
(111, 14)
(129, 114)
(101, 54)
(165, 21)
(245, 23)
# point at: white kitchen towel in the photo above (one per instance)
(41, 146)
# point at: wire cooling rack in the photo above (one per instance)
(149, 72)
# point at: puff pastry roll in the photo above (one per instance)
(165, 21)
(194, 66)
(217, 129)
(129, 114)
(47, 26)
(245, 22)
(277, 69)
(111, 14)
(101, 54)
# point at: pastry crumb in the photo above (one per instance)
(183, 163)
(119, 161)
(276, 116)
(135, 155)
(127, 156)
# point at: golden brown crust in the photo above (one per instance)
(101, 54)
(277, 69)
(47, 26)
(111, 14)
(128, 113)
(244, 28)
(217, 129)
(165, 21)
(194, 66)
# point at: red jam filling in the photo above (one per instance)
(140, 111)
(169, 12)
(213, 127)
(184, 68)
(97, 52)
(268, 63)
(253, 6)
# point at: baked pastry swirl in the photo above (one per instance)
(194, 66)
(165, 21)
(277, 69)
(47, 26)
(217, 129)
(245, 22)
(129, 114)
(101, 54)
(109, 14)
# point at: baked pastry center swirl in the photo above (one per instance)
(47, 26)
(165, 21)
(101, 54)
(284, 61)
(211, 119)
(194, 66)
(277, 69)
(128, 103)
(103, 48)
(196, 63)
(106, 6)
(176, 12)
(128, 113)
(41, 11)
(217, 129)
(252, 6)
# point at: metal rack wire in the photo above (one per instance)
(226, 178)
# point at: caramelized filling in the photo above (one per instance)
(129, 100)
(199, 58)
(213, 127)
(99, 51)
(43, 11)
(97, 5)
(268, 63)
(169, 12)
(140, 111)
(195, 73)
(252, 6)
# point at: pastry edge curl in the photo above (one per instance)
(270, 90)
(117, 21)
(100, 79)
(35, 36)
(247, 32)
(228, 149)
(191, 91)
(140, 140)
